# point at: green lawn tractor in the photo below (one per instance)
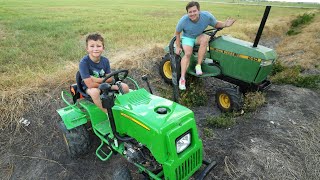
(238, 62)
(157, 135)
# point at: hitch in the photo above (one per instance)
(206, 171)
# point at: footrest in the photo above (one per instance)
(104, 152)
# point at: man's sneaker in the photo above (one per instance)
(198, 70)
(182, 84)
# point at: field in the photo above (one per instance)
(42, 41)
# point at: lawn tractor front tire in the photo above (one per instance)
(166, 70)
(123, 173)
(229, 99)
(77, 140)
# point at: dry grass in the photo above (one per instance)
(253, 100)
(15, 96)
(15, 99)
(302, 49)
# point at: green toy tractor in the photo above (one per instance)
(157, 135)
(238, 62)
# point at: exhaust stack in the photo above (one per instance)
(263, 22)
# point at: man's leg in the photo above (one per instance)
(185, 61)
(94, 93)
(203, 41)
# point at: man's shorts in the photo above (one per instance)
(188, 41)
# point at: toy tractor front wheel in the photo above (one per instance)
(165, 69)
(229, 99)
(77, 140)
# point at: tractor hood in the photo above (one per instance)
(151, 120)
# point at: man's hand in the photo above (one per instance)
(229, 22)
(178, 50)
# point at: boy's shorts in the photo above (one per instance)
(188, 41)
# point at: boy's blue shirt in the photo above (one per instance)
(89, 68)
(193, 30)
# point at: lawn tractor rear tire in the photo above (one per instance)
(77, 140)
(123, 173)
(229, 99)
(166, 71)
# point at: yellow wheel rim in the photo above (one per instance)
(167, 69)
(224, 101)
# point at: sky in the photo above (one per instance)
(314, 1)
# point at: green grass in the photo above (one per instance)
(41, 36)
(298, 23)
(222, 121)
(281, 73)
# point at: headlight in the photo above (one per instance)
(266, 62)
(183, 142)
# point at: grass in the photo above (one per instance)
(281, 74)
(222, 121)
(299, 22)
(41, 42)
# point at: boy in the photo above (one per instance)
(94, 67)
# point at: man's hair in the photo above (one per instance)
(191, 4)
(95, 37)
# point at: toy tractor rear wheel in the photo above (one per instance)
(166, 71)
(122, 173)
(229, 99)
(77, 140)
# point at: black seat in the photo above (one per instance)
(80, 88)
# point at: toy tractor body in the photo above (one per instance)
(157, 135)
(233, 60)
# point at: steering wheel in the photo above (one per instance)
(211, 32)
(119, 76)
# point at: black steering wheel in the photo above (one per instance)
(211, 32)
(119, 76)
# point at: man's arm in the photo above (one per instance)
(178, 44)
(229, 22)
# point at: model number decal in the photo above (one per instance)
(237, 55)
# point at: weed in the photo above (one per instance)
(208, 132)
(223, 121)
(297, 23)
(253, 100)
(195, 94)
(296, 79)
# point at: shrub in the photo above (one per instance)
(195, 94)
(297, 23)
(223, 121)
(253, 100)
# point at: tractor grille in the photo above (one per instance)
(139, 98)
(188, 166)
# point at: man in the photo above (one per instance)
(192, 25)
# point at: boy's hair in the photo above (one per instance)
(95, 37)
(191, 4)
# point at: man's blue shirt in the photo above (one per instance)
(194, 29)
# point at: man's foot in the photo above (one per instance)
(182, 84)
(198, 70)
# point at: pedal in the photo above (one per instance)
(104, 152)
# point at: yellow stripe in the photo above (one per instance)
(236, 55)
(136, 121)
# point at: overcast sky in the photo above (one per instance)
(314, 1)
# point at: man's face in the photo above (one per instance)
(193, 13)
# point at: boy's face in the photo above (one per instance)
(95, 49)
(193, 13)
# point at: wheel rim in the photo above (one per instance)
(224, 101)
(167, 69)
